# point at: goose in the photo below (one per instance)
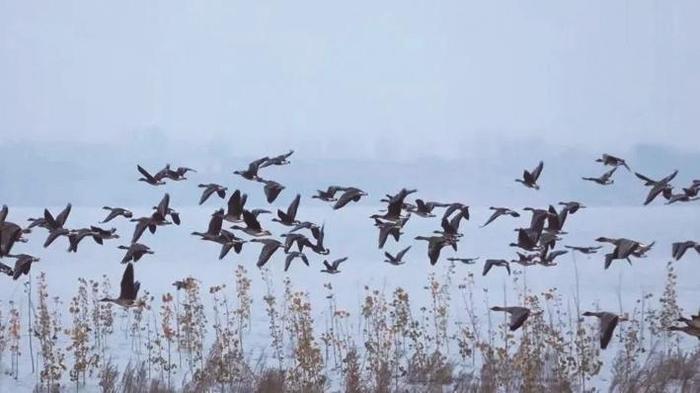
(229, 241)
(608, 322)
(393, 213)
(451, 228)
(304, 225)
(163, 210)
(293, 255)
(425, 209)
(319, 234)
(210, 189)
(555, 220)
(435, 245)
(466, 261)
(679, 248)
(329, 194)
(134, 252)
(176, 175)
(10, 234)
(657, 187)
(572, 206)
(253, 227)
(105, 234)
(605, 179)
(141, 224)
(453, 207)
(289, 218)
(547, 258)
(613, 161)
(527, 239)
(77, 235)
(148, 178)
(682, 197)
(332, 268)
(351, 194)
(624, 248)
(398, 259)
(538, 219)
(272, 189)
(300, 240)
(584, 250)
(530, 178)
(214, 228)
(60, 220)
(235, 206)
(115, 212)
(495, 262)
(500, 211)
(525, 259)
(129, 289)
(252, 172)
(518, 316)
(281, 159)
(269, 248)
(23, 263)
(386, 229)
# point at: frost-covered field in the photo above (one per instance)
(350, 233)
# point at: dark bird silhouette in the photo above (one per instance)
(141, 224)
(129, 289)
(332, 268)
(272, 189)
(530, 178)
(76, 236)
(252, 172)
(229, 241)
(457, 206)
(518, 316)
(495, 262)
(10, 234)
(386, 229)
(329, 194)
(604, 180)
(425, 209)
(23, 264)
(608, 322)
(288, 218)
(319, 234)
(398, 259)
(148, 178)
(613, 161)
(657, 187)
(236, 204)
(4, 269)
(211, 188)
(679, 248)
(134, 252)
(292, 256)
(301, 241)
(115, 212)
(435, 245)
(282, 159)
(547, 258)
(500, 211)
(351, 194)
(253, 227)
(214, 227)
(269, 248)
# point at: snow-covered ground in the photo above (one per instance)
(350, 233)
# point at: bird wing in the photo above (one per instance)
(266, 252)
(112, 214)
(402, 253)
(345, 198)
(288, 260)
(63, 215)
(608, 322)
(128, 290)
(234, 204)
(208, 190)
(328, 266)
(607, 175)
(215, 223)
(654, 192)
(487, 266)
(272, 190)
(50, 220)
(292, 209)
(669, 177)
(164, 205)
(145, 174)
(518, 315)
(138, 230)
(537, 171)
(338, 261)
(494, 216)
(644, 178)
(3, 213)
(251, 221)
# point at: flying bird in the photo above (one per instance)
(211, 188)
(115, 212)
(518, 316)
(129, 289)
(530, 178)
(608, 322)
(500, 211)
(490, 263)
(148, 178)
(398, 259)
(613, 161)
(332, 268)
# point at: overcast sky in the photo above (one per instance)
(353, 78)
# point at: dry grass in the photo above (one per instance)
(388, 345)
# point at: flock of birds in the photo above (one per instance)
(536, 243)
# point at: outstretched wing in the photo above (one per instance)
(537, 171)
(128, 287)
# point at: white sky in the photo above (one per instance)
(423, 77)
